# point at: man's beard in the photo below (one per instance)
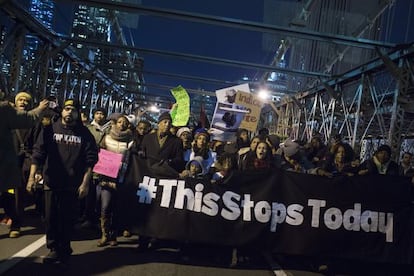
(100, 122)
(69, 120)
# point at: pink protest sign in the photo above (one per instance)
(108, 163)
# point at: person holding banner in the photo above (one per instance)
(163, 154)
(224, 167)
(195, 169)
(380, 163)
(339, 163)
(316, 151)
(67, 152)
(243, 152)
(162, 150)
(293, 158)
(201, 148)
(119, 141)
(405, 167)
(260, 158)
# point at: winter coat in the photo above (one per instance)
(199, 160)
(10, 173)
(166, 161)
(369, 164)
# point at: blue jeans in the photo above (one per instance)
(107, 198)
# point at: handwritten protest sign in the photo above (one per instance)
(254, 106)
(181, 115)
(108, 163)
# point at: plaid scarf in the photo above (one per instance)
(261, 164)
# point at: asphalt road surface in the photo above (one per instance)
(23, 256)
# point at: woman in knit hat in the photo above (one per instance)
(184, 133)
(293, 159)
(119, 140)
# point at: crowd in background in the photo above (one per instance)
(170, 151)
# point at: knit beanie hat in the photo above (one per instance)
(22, 94)
(275, 140)
(385, 148)
(71, 102)
(114, 116)
(100, 109)
(201, 131)
(181, 130)
(132, 119)
(164, 116)
(290, 148)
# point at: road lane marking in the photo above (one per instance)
(276, 268)
(19, 256)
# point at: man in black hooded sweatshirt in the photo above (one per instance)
(67, 152)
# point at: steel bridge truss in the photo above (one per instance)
(374, 107)
(45, 66)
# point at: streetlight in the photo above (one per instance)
(154, 109)
(264, 94)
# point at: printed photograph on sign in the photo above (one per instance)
(228, 115)
(228, 118)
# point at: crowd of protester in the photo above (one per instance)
(170, 151)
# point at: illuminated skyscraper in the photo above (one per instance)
(43, 10)
(103, 25)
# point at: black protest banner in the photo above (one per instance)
(361, 217)
(367, 218)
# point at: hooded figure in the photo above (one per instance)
(196, 167)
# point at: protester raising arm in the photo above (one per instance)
(10, 171)
(21, 119)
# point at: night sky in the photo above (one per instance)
(202, 39)
(180, 36)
